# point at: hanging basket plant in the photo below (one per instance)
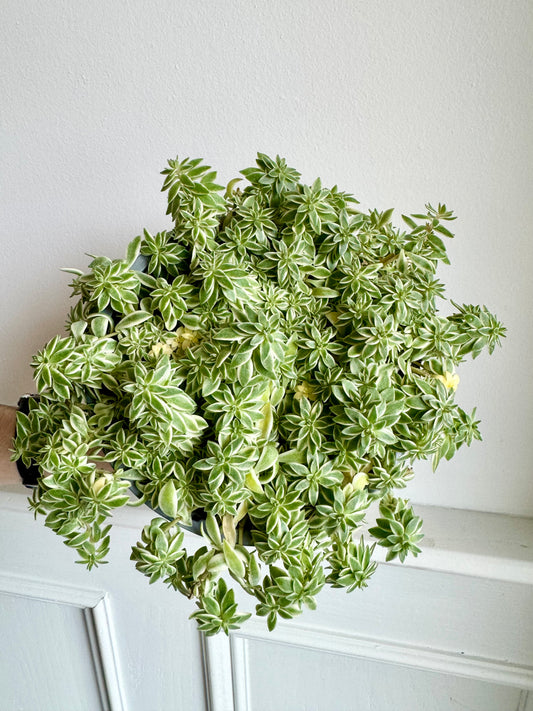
(264, 370)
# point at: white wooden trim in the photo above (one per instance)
(104, 649)
(48, 591)
(485, 545)
(218, 675)
(241, 672)
(98, 621)
(526, 701)
(458, 541)
(474, 543)
(380, 650)
(227, 674)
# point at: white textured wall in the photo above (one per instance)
(400, 103)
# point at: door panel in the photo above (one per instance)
(50, 642)
(149, 651)
(310, 679)
(455, 631)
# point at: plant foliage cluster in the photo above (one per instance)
(277, 361)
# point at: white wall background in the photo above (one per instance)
(400, 102)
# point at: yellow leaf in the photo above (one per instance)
(253, 483)
(100, 483)
(360, 481)
(228, 529)
(265, 425)
(241, 512)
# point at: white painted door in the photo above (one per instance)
(453, 632)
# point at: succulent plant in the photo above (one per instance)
(267, 368)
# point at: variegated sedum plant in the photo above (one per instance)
(270, 366)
